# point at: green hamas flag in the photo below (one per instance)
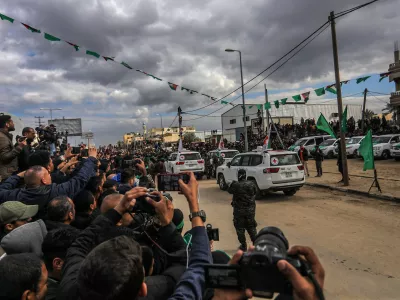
(154, 77)
(267, 105)
(5, 18)
(283, 101)
(362, 79)
(224, 102)
(322, 124)
(106, 58)
(95, 54)
(126, 65)
(51, 37)
(344, 120)
(320, 91)
(259, 106)
(366, 151)
(250, 106)
(276, 102)
(296, 98)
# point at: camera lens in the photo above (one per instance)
(272, 236)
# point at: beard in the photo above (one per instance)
(11, 128)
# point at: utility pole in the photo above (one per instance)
(363, 111)
(51, 111)
(339, 98)
(180, 126)
(39, 120)
(269, 117)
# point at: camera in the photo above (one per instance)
(212, 233)
(258, 270)
(20, 139)
(143, 206)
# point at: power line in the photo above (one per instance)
(172, 122)
(293, 49)
(378, 93)
(343, 13)
(280, 66)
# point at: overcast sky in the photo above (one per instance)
(181, 41)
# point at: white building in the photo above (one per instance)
(232, 120)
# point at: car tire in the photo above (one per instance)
(290, 192)
(385, 154)
(397, 158)
(259, 194)
(221, 182)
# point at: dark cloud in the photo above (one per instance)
(180, 41)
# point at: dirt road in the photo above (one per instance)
(356, 238)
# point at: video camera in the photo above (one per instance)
(212, 233)
(258, 270)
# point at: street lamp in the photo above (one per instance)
(246, 147)
(51, 111)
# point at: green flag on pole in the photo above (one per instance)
(267, 105)
(366, 151)
(283, 101)
(224, 102)
(95, 54)
(344, 120)
(322, 124)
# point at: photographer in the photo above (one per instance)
(8, 153)
(23, 158)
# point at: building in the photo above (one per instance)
(131, 137)
(232, 120)
(170, 135)
(209, 136)
(394, 70)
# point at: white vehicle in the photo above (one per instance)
(185, 161)
(383, 145)
(308, 142)
(395, 152)
(271, 170)
(352, 145)
(226, 154)
(329, 148)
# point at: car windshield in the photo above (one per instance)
(300, 142)
(284, 160)
(327, 143)
(381, 139)
(189, 156)
(353, 141)
(229, 154)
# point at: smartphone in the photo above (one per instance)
(76, 150)
(85, 152)
(169, 182)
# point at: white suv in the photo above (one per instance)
(270, 170)
(226, 154)
(395, 152)
(383, 144)
(352, 145)
(185, 161)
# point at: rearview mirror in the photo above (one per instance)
(228, 164)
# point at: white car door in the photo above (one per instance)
(231, 172)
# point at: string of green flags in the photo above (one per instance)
(297, 98)
(97, 55)
(319, 92)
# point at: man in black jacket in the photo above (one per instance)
(23, 158)
(303, 154)
(319, 157)
(40, 189)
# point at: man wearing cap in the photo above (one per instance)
(14, 214)
(8, 153)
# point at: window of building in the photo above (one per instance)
(233, 121)
(247, 118)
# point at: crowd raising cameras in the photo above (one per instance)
(92, 226)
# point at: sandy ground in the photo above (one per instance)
(356, 238)
(387, 171)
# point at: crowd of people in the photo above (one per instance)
(92, 226)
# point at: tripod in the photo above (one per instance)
(375, 183)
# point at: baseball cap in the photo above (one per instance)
(11, 211)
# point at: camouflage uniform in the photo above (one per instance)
(244, 210)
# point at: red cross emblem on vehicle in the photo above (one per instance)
(274, 161)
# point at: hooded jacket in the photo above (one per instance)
(42, 195)
(27, 238)
(8, 155)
